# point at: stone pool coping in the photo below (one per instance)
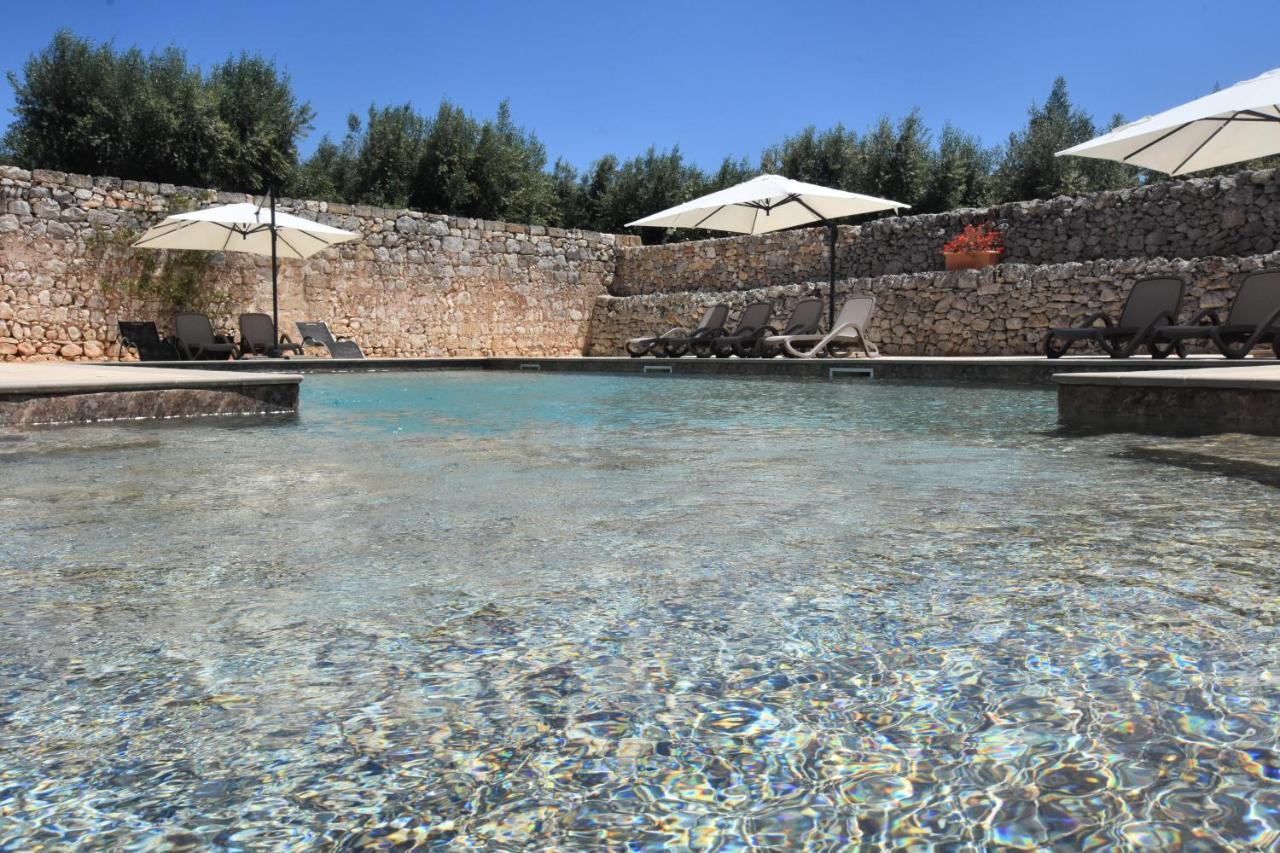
(52, 393)
(990, 370)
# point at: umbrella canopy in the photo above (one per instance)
(1234, 124)
(766, 203)
(246, 227)
(771, 203)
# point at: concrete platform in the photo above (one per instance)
(52, 393)
(990, 370)
(1242, 398)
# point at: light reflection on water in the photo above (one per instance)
(491, 608)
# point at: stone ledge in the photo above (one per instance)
(147, 404)
(1240, 376)
(1169, 409)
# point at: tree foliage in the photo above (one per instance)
(89, 108)
(1030, 168)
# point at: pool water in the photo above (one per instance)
(495, 609)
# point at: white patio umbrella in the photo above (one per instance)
(246, 227)
(771, 203)
(1234, 124)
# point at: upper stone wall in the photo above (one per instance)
(1232, 215)
(1001, 310)
(415, 284)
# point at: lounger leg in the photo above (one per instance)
(1052, 349)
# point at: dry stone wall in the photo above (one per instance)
(1232, 215)
(425, 285)
(1001, 310)
(414, 285)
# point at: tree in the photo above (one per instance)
(263, 122)
(959, 175)
(646, 184)
(87, 108)
(1029, 168)
(387, 155)
(508, 172)
(443, 181)
(831, 158)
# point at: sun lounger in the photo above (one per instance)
(1152, 302)
(258, 337)
(847, 337)
(1251, 320)
(195, 339)
(743, 340)
(674, 343)
(806, 319)
(145, 339)
(317, 334)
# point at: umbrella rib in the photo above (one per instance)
(803, 204)
(1199, 147)
(698, 224)
(1156, 141)
(282, 239)
(1258, 116)
(174, 230)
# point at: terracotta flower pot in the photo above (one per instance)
(970, 260)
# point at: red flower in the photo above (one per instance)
(976, 238)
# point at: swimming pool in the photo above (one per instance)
(494, 608)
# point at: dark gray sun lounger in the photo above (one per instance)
(744, 339)
(145, 338)
(1251, 320)
(317, 333)
(258, 337)
(1152, 303)
(806, 319)
(674, 343)
(194, 336)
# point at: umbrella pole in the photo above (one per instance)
(275, 292)
(831, 290)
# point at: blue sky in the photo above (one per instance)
(716, 78)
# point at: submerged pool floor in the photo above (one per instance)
(501, 609)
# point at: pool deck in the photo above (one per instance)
(57, 393)
(1198, 394)
(990, 370)
(1242, 398)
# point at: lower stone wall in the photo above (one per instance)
(413, 284)
(1003, 310)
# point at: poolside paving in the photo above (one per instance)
(990, 370)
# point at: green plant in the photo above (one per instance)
(167, 281)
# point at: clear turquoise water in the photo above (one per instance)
(498, 609)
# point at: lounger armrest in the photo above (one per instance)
(1210, 314)
(843, 327)
(677, 332)
(224, 338)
